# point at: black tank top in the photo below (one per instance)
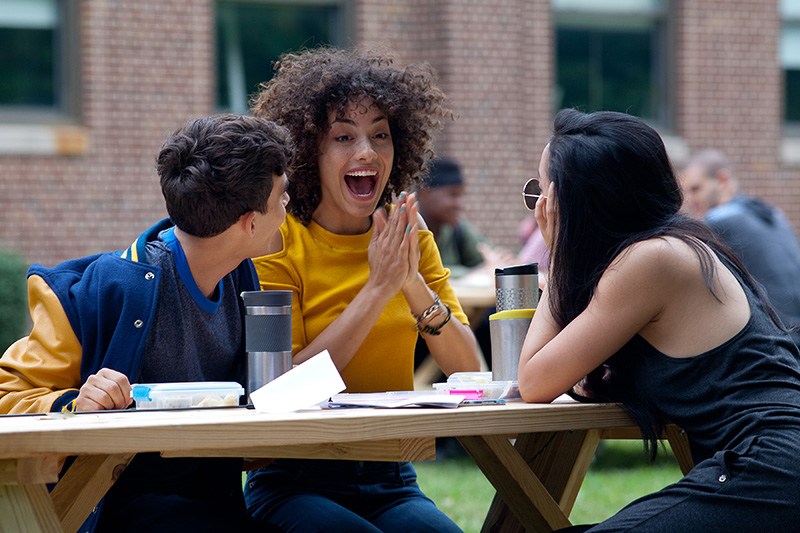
(748, 383)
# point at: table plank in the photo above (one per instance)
(416, 449)
(242, 428)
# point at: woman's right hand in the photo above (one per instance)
(389, 249)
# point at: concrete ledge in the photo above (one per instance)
(57, 140)
(790, 151)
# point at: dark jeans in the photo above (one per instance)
(183, 494)
(343, 496)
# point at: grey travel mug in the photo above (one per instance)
(268, 336)
(517, 286)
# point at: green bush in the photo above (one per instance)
(13, 298)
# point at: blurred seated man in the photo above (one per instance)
(463, 249)
(759, 233)
(441, 204)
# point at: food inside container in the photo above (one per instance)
(469, 378)
(186, 394)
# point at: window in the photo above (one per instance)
(789, 51)
(612, 55)
(252, 35)
(39, 78)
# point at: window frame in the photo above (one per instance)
(589, 14)
(344, 33)
(67, 73)
(790, 18)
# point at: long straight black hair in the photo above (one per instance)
(615, 186)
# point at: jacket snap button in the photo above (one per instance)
(138, 323)
(723, 478)
(149, 275)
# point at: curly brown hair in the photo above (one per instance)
(310, 84)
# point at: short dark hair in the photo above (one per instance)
(442, 172)
(310, 84)
(215, 169)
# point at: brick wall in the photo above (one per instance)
(146, 68)
(494, 62)
(149, 65)
(730, 92)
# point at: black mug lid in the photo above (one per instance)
(266, 298)
(517, 270)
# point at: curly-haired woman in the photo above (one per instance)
(366, 276)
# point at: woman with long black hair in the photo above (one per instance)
(646, 308)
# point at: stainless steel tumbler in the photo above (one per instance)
(268, 336)
(517, 286)
(508, 330)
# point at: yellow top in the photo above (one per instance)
(325, 271)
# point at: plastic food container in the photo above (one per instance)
(186, 394)
(480, 382)
(473, 393)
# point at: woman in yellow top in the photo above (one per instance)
(365, 279)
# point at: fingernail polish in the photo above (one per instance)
(408, 228)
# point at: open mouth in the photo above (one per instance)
(361, 183)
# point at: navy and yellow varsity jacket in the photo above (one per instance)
(87, 314)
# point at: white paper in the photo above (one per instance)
(397, 399)
(305, 385)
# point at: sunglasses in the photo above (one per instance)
(531, 192)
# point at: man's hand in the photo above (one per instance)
(108, 389)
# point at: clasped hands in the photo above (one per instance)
(393, 250)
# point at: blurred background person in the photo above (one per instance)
(441, 203)
(759, 233)
(463, 249)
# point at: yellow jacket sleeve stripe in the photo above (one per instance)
(37, 369)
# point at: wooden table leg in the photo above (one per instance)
(83, 486)
(25, 504)
(555, 463)
(679, 443)
(508, 471)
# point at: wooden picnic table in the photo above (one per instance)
(535, 455)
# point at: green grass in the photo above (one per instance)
(618, 474)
